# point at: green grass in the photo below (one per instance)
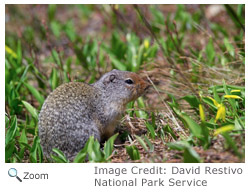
(202, 57)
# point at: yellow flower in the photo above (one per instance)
(232, 97)
(223, 129)
(221, 113)
(215, 102)
(235, 91)
(10, 51)
(201, 111)
(146, 44)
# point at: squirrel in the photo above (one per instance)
(75, 111)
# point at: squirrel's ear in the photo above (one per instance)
(110, 78)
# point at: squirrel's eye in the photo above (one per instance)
(129, 81)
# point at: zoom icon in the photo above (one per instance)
(13, 173)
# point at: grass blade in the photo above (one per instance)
(31, 109)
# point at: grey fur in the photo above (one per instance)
(74, 111)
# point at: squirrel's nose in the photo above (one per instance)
(146, 85)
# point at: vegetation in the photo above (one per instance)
(193, 55)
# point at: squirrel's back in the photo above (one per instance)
(65, 113)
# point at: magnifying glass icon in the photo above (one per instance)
(13, 173)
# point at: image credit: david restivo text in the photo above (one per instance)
(163, 176)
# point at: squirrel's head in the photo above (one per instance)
(122, 85)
